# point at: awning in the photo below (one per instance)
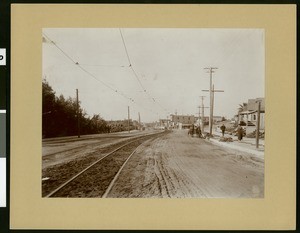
(250, 112)
(247, 112)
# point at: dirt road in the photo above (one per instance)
(179, 166)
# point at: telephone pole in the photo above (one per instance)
(78, 113)
(140, 128)
(257, 124)
(210, 71)
(212, 91)
(202, 115)
(167, 122)
(199, 113)
(128, 121)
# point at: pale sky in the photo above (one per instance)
(169, 64)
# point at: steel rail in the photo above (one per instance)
(91, 144)
(87, 168)
(118, 173)
(120, 170)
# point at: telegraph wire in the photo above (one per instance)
(103, 65)
(86, 71)
(93, 76)
(130, 64)
(70, 58)
(125, 47)
(59, 48)
(135, 74)
(79, 66)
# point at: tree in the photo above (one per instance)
(48, 107)
(60, 116)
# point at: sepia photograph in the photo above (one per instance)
(152, 117)
(153, 113)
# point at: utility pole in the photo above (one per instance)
(257, 124)
(212, 91)
(202, 115)
(167, 122)
(199, 116)
(210, 71)
(140, 128)
(212, 103)
(78, 114)
(128, 121)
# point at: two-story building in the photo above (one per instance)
(183, 121)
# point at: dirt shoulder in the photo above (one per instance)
(179, 166)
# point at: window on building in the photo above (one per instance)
(254, 117)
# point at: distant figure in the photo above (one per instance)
(240, 132)
(223, 129)
(191, 131)
(198, 131)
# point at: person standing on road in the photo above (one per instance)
(240, 132)
(198, 131)
(223, 129)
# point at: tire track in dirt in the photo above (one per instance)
(160, 173)
(185, 183)
(177, 166)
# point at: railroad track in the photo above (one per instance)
(95, 178)
(90, 144)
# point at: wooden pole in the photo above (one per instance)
(202, 118)
(128, 121)
(258, 125)
(211, 104)
(212, 109)
(140, 128)
(210, 70)
(78, 114)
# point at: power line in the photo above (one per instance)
(130, 64)
(137, 77)
(59, 48)
(119, 92)
(94, 77)
(135, 74)
(125, 47)
(103, 65)
(86, 71)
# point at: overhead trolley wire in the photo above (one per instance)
(125, 47)
(130, 64)
(83, 69)
(70, 58)
(135, 74)
(93, 76)
(103, 65)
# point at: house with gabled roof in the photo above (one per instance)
(249, 112)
